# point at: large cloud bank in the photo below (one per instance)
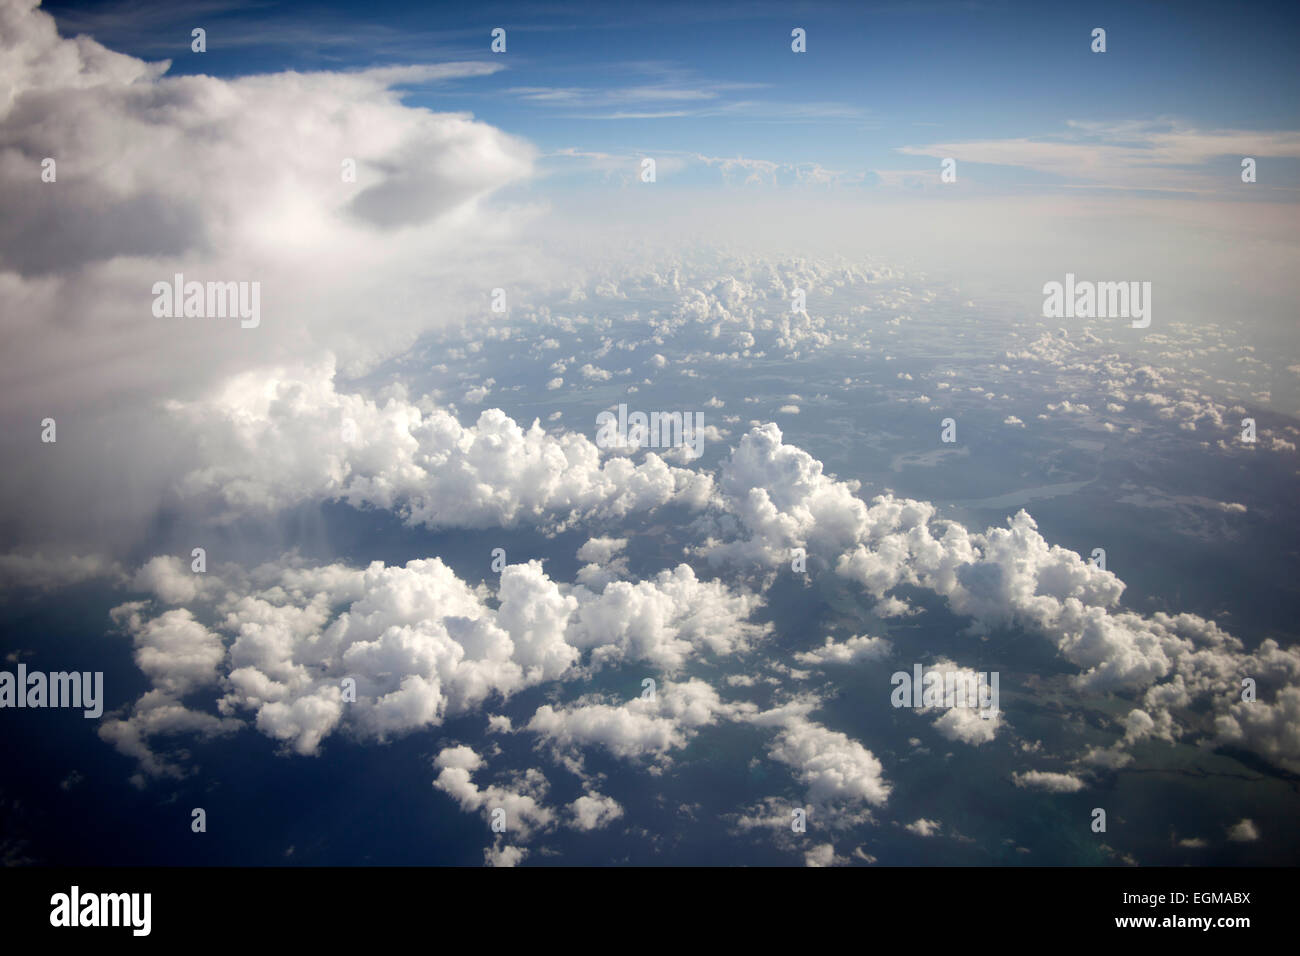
(237, 180)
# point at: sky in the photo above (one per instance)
(368, 539)
(880, 89)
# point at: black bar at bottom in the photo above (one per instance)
(371, 904)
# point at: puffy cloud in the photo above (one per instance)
(665, 620)
(306, 720)
(821, 855)
(521, 799)
(601, 550)
(834, 768)
(963, 716)
(1243, 831)
(591, 811)
(175, 651)
(604, 561)
(1271, 729)
(180, 656)
(170, 580)
(418, 642)
(892, 606)
(854, 650)
(504, 855)
(924, 827)
(422, 644)
(536, 616)
(968, 725)
(773, 497)
(276, 437)
(643, 727)
(384, 650)
(779, 496)
(771, 813)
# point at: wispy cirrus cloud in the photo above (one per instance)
(665, 90)
(1161, 155)
(589, 96)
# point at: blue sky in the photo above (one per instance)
(722, 81)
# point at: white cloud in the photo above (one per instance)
(968, 725)
(171, 580)
(592, 811)
(1270, 729)
(604, 561)
(157, 714)
(637, 729)
(219, 179)
(1149, 155)
(276, 437)
(854, 650)
(504, 855)
(821, 855)
(521, 799)
(835, 769)
(176, 652)
(1243, 831)
(665, 620)
(924, 827)
(1048, 780)
(421, 644)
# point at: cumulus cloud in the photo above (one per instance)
(1243, 831)
(175, 651)
(1271, 729)
(276, 437)
(521, 798)
(968, 725)
(822, 855)
(170, 580)
(640, 728)
(421, 644)
(665, 620)
(924, 827)
(855, 649)
(779, 498)
(504, 855)
(605, 561)
(383, 650)
(963, 694)
(836, 770)
(591, 811)
(774, 497)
